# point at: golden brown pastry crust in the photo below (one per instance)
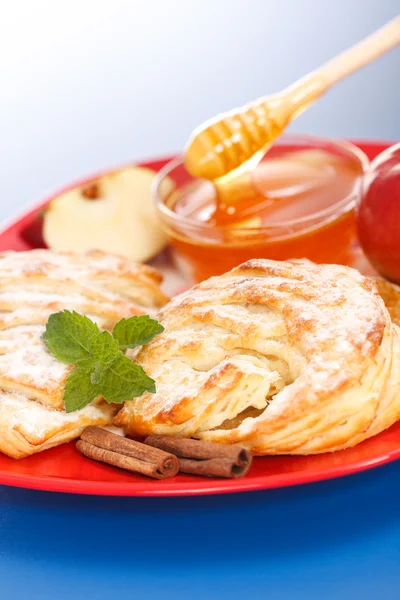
(391, 297)
(283, 357)
(27, 427)
(32, 286)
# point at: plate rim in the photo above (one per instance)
(200, 487)
(172, 487)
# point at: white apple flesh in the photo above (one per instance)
(114, 213)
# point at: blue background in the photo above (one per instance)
(87, 84)
(329, 540)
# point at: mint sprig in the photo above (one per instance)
(79, 390)
(136, 331)
(101, 367)
(67, 336)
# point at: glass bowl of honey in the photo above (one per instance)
(298, 202)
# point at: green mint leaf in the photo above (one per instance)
(79, 390)
(67, 336)
(124, 380)
(103, 350)
(136, 331)
(95, 375)
(101, 368)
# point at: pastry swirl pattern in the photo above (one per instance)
(283, 357)
(34, 285)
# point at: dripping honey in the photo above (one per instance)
(298, 204)
(223, 145)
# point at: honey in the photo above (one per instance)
(293, 206)
(223, 145)
(298, 204)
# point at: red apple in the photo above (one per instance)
(378, 214)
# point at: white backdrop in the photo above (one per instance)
(89, 84)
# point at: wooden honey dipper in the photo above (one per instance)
(229, 141)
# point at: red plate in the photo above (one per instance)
(63, 469)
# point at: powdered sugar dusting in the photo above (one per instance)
(35, 284)
(322, 325)
(35, 421)
(33, 366)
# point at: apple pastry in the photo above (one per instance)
(33, 285)
(281, 357)
(391, 297)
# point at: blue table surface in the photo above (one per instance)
(328, 540)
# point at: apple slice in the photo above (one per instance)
(114, 213)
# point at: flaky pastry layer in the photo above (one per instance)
(27, 427)
(33, 285)
(391, 297)
(282, 357)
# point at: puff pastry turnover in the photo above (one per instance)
(391, 297)
(283, 357)
(32, 286)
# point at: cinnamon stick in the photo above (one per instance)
(104, 446)
(204, 458)
(214, 467)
